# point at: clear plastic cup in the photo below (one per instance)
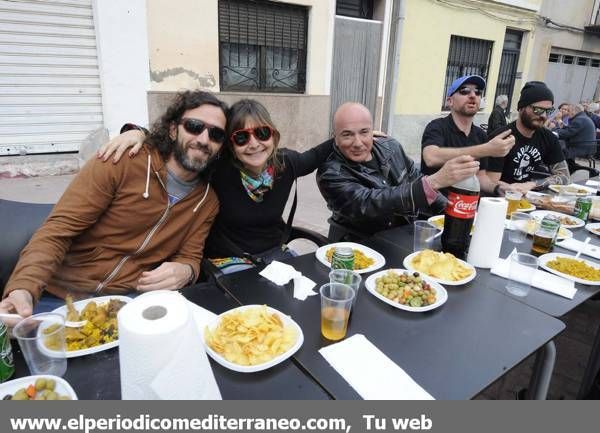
(42, 341)
(520, 274)
(336, 304)
(513, 198)
(520, 224)
(424, 236)
(349, 277)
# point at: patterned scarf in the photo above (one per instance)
(257, 186)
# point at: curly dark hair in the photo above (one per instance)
(159, 134)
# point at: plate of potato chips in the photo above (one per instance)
(441, 267)
(252, 338)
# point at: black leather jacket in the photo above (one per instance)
(370, 200)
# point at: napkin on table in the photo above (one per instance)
(281, 273)
(575, 245)
(383, 379)
(593, 183)
(541, 279)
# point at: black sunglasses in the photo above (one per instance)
(467, 91)
(538, 111)
(241, 137)
(196, 127)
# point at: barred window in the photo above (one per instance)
(568, 60)
(466, 56)
(554, 58)
(583, 61)
(262, 46)
(355, 8)
(595, 63)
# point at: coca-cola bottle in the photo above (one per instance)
(460, 213)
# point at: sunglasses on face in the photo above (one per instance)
(538, 111)
(467, 91)
(241, 137)
(196, 127)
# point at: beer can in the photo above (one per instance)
(7, 365)
(583, 207)
(343, 258)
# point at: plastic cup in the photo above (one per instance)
(424, 236)
(349, 277)
(520, 274)
(42, 341)
(513, 198)
(336, 304)
(520, 224)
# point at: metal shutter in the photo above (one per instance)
(50, 97)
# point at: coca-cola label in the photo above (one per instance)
(462, 206)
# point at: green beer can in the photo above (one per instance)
(7, 365)
(583, 207)
(343, 258)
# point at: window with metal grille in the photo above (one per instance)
(466, 56)
(595, 63)
(583, 61)
(262, 46)
(568, 60)
(554, 58)
(355, 8)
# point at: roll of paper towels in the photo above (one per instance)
(488, 232)
(161, 351)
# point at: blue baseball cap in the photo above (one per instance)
(467, 79)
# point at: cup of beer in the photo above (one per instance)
(513, 198)
(336, 303)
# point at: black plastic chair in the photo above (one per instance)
(19, 223)
(341, 233)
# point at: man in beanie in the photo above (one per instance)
(455, 135)
(534, 144)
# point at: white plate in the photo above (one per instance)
(379, 259)
(287, 320)
(539, 214)
(593, 226)
(80, 305)
(551, 256)
(590, 191)
(12, 386)
(431, 220)
(408, 265)
(440, 293)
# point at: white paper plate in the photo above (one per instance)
(589, 190)
(287, 320)
(408, 265)
(379, 259)
(539, 214)
(593, 228)
(12, 386)
(551, 256)
(80, 305)
(440, 292)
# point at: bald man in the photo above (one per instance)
(370, 184)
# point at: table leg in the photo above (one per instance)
(591, 368)
(542, 372)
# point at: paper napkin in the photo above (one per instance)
(541, 279)
(279, 273)
(303, 288)
(382, 380)
(593, 183)
(575, 245)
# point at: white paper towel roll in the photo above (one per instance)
(161, 351)
(487, 236)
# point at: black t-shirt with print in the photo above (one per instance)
(526, 154)
(443, 132)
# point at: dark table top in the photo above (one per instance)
(97, 376)
(454, 352)
(549, 303)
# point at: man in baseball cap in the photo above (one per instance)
(455, 135)
(534, 144)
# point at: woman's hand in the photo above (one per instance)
(118, 145)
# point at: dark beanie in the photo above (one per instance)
(534, 91)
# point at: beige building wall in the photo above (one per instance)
(426, 34)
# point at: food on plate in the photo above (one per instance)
(407, 289)
(42, 389)
(571, 189)
(361, 261)
(565, 220)
(524, 204)
(531, 226)
(251, 336)
(100, 328)
(440, 265)
(575, 268)
(596, 231)
(438, 222)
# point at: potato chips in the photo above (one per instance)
(251, 336)
(443, 266)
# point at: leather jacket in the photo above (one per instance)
(369, 200)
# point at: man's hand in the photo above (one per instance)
(500, 145)
(18, 301)
(169, 276)
(118, 145)
(523, 188)
(454, 171)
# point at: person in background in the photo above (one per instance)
(560, 118)
(578, 139)
(455, 135)
(497, 117)
(90, 244)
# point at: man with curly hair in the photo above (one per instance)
(136, 225)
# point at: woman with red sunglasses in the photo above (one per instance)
(253, 179)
